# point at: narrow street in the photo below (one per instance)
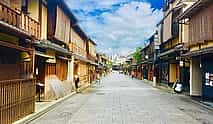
(121, 100)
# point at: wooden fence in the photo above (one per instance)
(17, 99)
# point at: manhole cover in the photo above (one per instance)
(100, 93)
(124, 86)
(65, 114)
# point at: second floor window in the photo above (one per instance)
(166, 5)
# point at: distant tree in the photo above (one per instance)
(137, 54)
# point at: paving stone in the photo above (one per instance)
(121, 100)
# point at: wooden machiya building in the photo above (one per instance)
(143, 65)
(147, 59)
(91, 55)
(200, 43)
(19, 28)
(78, 46)
(52, 56)
(103, 63)
(133, 67)
(172, 36)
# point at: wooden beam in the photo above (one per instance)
(20, 48)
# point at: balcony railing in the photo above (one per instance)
(91, 57)
(20, 20)
(17, 99)
(78, 50)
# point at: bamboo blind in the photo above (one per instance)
(62, 31)
(201, 26)
(167, 28)
(62, 69)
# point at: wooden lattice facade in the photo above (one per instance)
(17, 99)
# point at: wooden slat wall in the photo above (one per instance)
(50, 69)
(201, 26)
(83, 70)
(17, 99)
(62, 69)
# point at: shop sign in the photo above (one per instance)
(209, 79)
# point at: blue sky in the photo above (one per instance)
(117, 26)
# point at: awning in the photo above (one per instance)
(49, 45)
(168, 52)
(200, 4)
(13, 46)
(64, 58)
(94, 63)
(43, 55)
(81, 58)
(14, 30)
(198, 52)
(178, 48)
(146, 62)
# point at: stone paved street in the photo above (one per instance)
(121, 100)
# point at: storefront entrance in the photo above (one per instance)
(207, 78)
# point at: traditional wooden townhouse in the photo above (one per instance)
(19, 28)
(199, 18)
(78, 46)
(147, 55)
(108, 65)
(91, 55)
(143, 67)
(52, 56)
(133, 66)
(101, 60)
(129, 62)
(172, 67)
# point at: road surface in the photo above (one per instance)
(121, 100)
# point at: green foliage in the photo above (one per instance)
(137, 54)
(110, 65)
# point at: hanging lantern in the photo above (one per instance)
(25, 56)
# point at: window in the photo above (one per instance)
(166, 5)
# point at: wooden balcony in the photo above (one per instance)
(19, 21)
(17, 99)
(77, 50)
(91, 57)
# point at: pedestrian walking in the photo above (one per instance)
(76, 80)
(132, 75)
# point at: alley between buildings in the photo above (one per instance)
(120, 100)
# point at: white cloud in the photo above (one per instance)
(120, 30)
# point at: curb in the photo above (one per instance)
(82, 88)
(41, 112)
(198, 102)
(170, 91)
(202, 104)
(166, 89)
